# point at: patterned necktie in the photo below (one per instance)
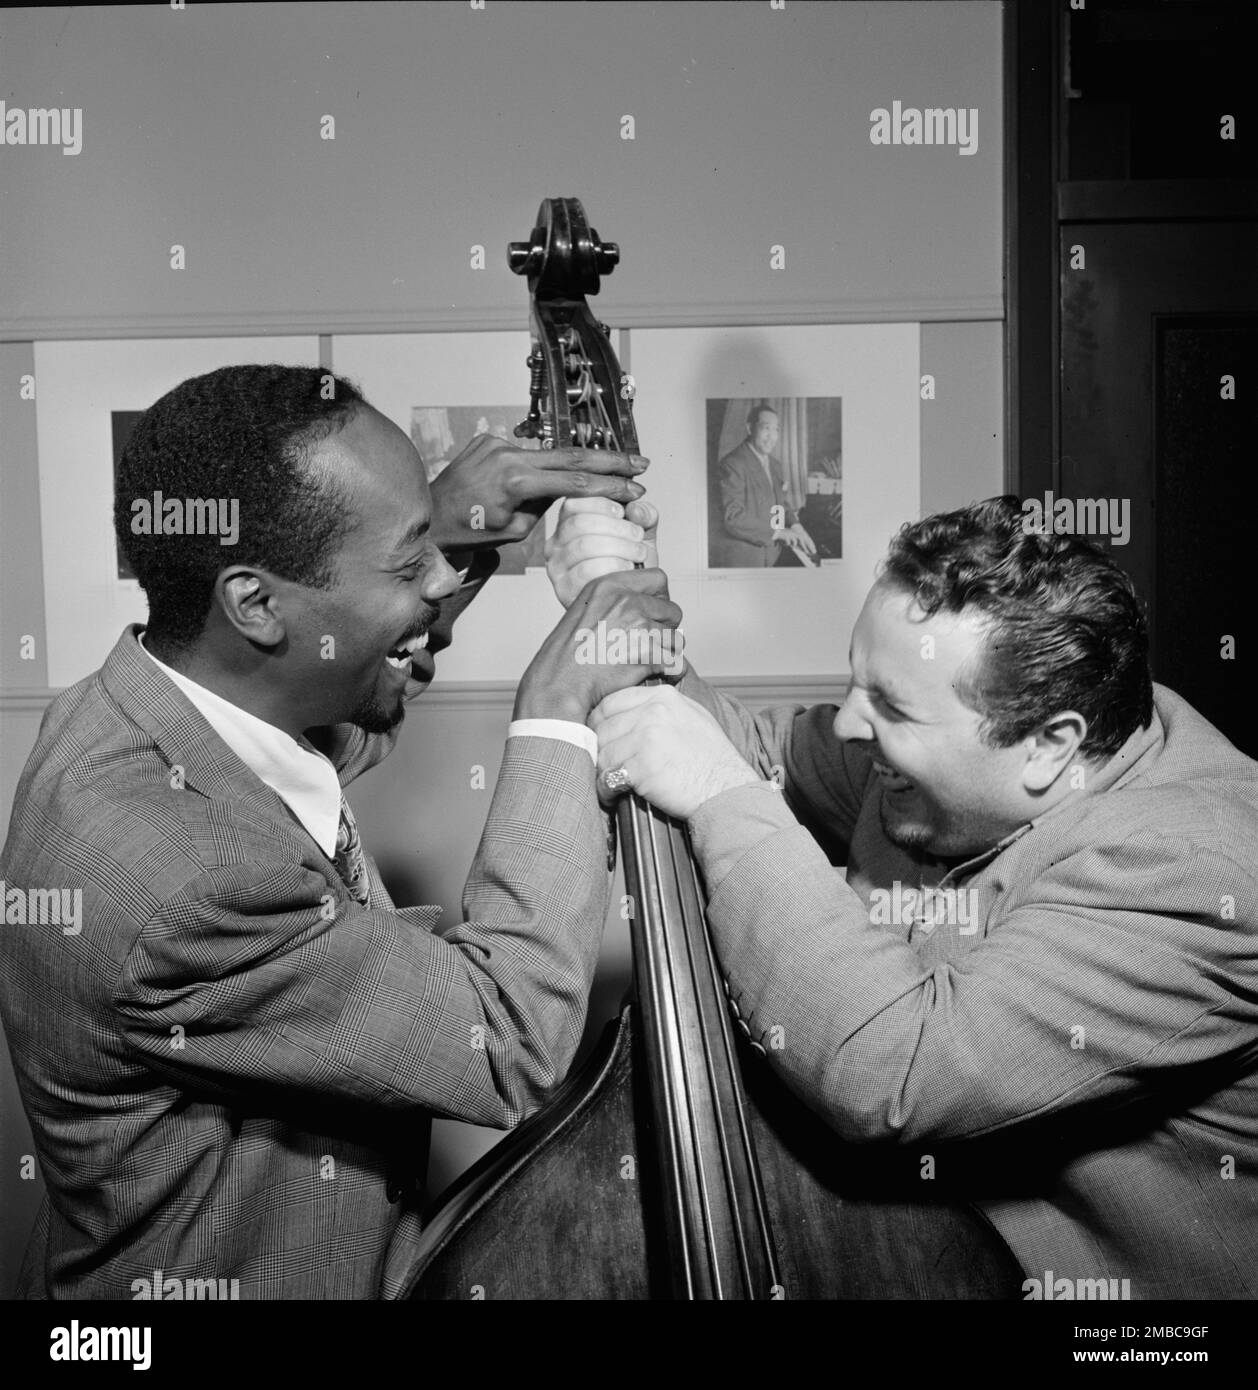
(350, 861)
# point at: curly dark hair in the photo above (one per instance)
(1065, 627)
(241, 433)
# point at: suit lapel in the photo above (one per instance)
(180, 731)
(767, 487)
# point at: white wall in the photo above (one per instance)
(202, 127)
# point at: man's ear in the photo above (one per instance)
(1053, 747)
(249, 601)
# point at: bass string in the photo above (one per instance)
(659, 1023)
(740, 1106)
(595, 408)
(643, 815)
(692, 935)
(691, 928)
(680, 1087)
(699, 957)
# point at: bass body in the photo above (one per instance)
(566, 1207)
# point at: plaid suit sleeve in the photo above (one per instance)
(265, 974)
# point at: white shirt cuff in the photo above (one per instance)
(565, 730)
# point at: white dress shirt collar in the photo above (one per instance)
(300, 776)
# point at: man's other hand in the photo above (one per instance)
(797, 538)
(598, 536)
(803, 539)
(619, 630)
(494, 493)
(672, 750)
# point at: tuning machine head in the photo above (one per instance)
(564, 255)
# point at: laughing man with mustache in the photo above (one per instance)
(1078, 1053)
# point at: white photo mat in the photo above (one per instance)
(78, 386)
(775, 622)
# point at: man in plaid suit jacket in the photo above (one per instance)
(231, 1064)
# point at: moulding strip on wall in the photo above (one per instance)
(33, 701)
(1157, 200)
(500, 695)
(35, 327)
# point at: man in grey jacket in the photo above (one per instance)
(1037, 978)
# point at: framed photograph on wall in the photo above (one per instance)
(775, 482)
(819, 421)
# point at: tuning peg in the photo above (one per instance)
(526, 257)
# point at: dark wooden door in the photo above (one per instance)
(1132, 223)
(1159, 378)
(1205, 440)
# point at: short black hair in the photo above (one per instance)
(239, 433)
(1065, 628)
(754, 414)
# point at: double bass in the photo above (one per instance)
(673, 1164)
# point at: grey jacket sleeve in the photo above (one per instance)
(1094, 982)
(823, 780)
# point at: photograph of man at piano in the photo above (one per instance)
(764, 487)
